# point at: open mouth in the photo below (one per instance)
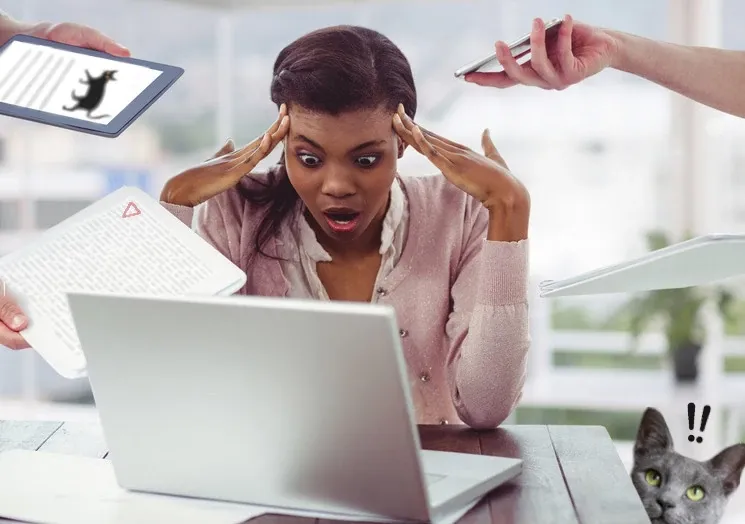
(342, 220)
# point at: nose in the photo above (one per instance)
(665, 503)
(337, 183)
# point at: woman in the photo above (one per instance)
(334, 220)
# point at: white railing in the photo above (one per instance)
(632, 390)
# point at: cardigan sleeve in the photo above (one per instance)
(488, 328)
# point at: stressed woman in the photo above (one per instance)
(334, 220)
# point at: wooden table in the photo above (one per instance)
(571, 474)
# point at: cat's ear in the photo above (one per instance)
(727, 465)
(653, 434)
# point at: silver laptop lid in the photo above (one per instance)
(271, 401)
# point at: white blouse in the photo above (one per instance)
(300, 270)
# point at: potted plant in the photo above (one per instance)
(676, 311)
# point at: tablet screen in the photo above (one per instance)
(70, 84)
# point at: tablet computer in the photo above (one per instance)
(78, 88)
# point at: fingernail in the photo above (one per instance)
(536, 23)
(282, 107)
(16, 322)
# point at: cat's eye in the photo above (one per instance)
(309, 160)
(367, 160)
(695, 493)
(653, 477)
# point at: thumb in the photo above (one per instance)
(229, 147)
(499, 80)
(10, 312)
(490, 150)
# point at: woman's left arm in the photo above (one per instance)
(488, 327)
(489, 324)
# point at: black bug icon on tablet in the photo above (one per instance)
(92, 99)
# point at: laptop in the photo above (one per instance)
(286, 403)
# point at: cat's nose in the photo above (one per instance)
(665, 503)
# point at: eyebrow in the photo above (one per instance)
(364, 145)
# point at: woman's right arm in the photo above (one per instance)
(206, 185)
(707, 75)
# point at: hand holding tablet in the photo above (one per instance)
(78, 88)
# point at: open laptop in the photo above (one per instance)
(278, 402)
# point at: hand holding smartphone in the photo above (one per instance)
(520, 50)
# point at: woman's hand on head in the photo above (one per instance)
(12, 320)
(578, 51)
(485, 177)
(224, 170)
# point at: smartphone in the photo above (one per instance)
(520, 49)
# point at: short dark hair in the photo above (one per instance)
(331, 70)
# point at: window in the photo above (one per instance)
(10, 211)
(49, 213)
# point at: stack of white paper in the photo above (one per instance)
(52, 488)
(695, 262)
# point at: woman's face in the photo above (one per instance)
(343, 167)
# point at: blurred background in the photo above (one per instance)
(615, 166)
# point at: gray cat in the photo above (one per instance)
(676, 489)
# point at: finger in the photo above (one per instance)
(12, 340)
(229, 147)
(267, 144)
(451, 148)
(522, 74)
(85, 36)
(117, 49)
(251, 147)
(539, 56)
(11, 314)
(564, 45)
(96, 40)
(499, 80)
(490, 150)
(282, 130)
(432, 152)
(404, 133)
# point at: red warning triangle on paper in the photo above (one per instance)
(131, 210)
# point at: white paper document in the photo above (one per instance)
(127, 243)
(52, 488)
(699, 261)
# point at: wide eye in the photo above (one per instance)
(367, 161)
(653, 477)
(695, 493)
(309, 160)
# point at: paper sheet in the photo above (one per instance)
(52, 488)
(699, 261)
